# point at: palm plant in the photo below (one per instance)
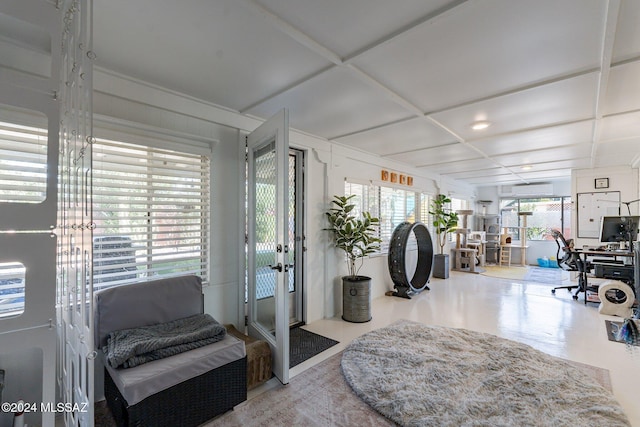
(355, 236)
(444, 220)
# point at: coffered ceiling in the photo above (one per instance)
(558, 81)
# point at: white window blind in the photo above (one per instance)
(151, 209)
(23, 179)
(457, 205)
(23, 163)
(392, 205)
(365, 200)
(425, 206)
(396, 206)
(11, 289)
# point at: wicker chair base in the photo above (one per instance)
(189, 403)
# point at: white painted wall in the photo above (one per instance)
(625, 180)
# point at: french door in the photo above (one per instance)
(268, 250)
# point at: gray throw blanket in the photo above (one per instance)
(127, 348)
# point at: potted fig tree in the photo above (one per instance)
(357, 237)
(444, 222)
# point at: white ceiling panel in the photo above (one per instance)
(485, 48)
(346, 27)
(480, 173)
(220, 51)
(538, 139)
(545, 175)
(623, 90)
(621, 126)
(463, 165)
(333, 103)
(627, 41)
(542, 156)
(496, 180)
(537, 172)
(558, 102)
(431, 156)
(576, 163)
(609, 153)
(408, 135)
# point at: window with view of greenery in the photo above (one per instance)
(151, 210)
(549, 213)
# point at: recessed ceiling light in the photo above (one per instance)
(480, 125)
(527, 167)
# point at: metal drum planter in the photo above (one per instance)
(397, 258)
(356, 299)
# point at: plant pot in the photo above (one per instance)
(441, 266)
(356, 299)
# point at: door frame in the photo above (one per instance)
(274, 131)
(299, 243)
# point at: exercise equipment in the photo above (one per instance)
(397, 259)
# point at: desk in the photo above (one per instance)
(584, 254)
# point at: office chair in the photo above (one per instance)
(636, 277)
(570, 261)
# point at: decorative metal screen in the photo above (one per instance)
(45, 113)
(265, 191)
(75, 216)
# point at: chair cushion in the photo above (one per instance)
(136, 384)
(146, 303)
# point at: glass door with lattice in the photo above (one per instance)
(268, 243)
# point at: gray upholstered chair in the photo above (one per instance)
(186, 389)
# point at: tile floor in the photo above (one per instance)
(522, 311)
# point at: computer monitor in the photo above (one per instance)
(614, 229)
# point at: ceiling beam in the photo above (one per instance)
(412, 26)
(606, 54)
(394, 96)
(292, 86)
(306, 40)
(296, 34)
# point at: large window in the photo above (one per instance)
(23, 156)
(151, 210)
(548, 213)
(392, 205)
(425, 206)
(458, 205)
(23, 179)
(150, 206)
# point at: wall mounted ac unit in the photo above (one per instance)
(526, 190)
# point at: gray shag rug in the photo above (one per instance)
(419, 375)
